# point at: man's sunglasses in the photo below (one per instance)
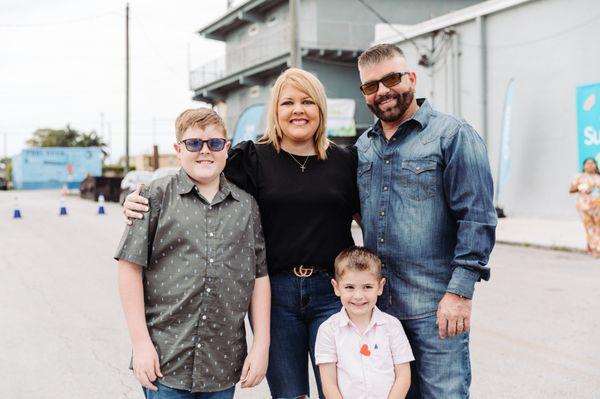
(389, 80)
(195, 145)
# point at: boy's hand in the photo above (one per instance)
(255, 367)
(135, 202)
(146, 365)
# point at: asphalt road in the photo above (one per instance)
(535, 330)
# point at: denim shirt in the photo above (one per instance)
(427, 209)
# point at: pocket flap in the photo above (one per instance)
(419, 166)
(363, 168)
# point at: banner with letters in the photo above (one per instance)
(588, 122)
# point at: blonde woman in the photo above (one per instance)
(587, 184)
(306, 190)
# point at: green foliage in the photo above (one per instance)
(67, 137)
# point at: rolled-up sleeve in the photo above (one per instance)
(325, 351)
(136, 242)
(469, 192)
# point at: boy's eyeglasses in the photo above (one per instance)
(389, 80)
(195, 145)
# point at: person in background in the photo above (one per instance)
(587, 184)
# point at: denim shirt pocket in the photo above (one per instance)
(363, 177)
(418, 179)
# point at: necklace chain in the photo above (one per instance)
(302, 165)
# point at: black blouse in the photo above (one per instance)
(306, 216)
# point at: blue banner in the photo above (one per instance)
(504, 156)
(249, 123)
(588, 122)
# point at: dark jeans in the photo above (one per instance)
(165, 392)
(298, 307)
(442, 368)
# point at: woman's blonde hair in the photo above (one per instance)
(307, 83)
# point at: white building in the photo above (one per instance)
(549, 48)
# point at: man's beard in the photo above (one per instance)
(395, 113)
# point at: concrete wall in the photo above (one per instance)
(342, 82)
(548, 47)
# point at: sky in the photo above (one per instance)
(63, 62)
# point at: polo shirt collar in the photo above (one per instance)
(377, 318)
(421, 117)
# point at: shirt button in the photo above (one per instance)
(418, 168)
(210, 234)
(382, 213)
(387, 161)
(385, 188)
(208, 290)
(204, 317)
(198, 346)
(211, 260)
(381, 240)
(383, 265)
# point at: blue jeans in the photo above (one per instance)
(165, 392)
(298, 307)
(442, 368)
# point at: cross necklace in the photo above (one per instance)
(302, 165)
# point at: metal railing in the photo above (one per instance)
(264, 46)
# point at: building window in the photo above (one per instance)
(252, 30)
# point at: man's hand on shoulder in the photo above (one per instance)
(453, 315)
(135, 204)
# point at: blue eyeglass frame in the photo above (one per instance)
(195, 145)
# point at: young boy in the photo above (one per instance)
(361, 351)
(190, 270)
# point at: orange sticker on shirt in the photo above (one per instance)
(364, 350)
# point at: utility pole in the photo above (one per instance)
(127, 88)
(295, 56)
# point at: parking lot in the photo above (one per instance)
(63, 335)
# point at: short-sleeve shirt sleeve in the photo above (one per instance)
(136, 242)
(325, 349)
(399, 345)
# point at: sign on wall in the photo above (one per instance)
(588, 122)
(53, 167)
(340, 117)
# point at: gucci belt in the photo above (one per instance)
(305, 271)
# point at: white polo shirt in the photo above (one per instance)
(365, 362)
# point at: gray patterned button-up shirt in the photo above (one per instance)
(200, 260)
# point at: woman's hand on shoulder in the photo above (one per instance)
(135, 204)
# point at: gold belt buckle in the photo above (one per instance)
(301, 271)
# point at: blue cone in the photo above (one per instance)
(17, 214)
(101, 210)
(63, 210)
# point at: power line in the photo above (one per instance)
(384, 20)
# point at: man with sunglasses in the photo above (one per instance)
(427, 210)
(190, 270)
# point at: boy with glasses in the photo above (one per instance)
(191, 269)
